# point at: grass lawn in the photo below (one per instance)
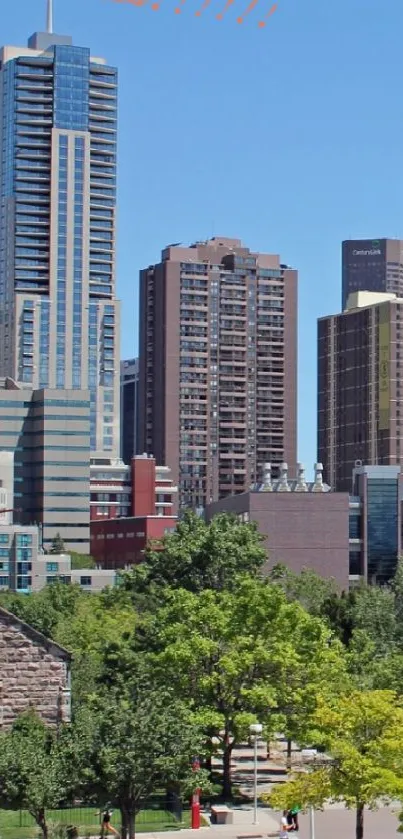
(15, 824)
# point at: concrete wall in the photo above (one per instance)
(34, 674)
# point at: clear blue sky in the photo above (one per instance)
(289, 137)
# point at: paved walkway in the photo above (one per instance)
(242, 827)
(334, 823)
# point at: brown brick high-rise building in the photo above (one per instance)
(218, 366)
(360, 391)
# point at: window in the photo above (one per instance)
(52, 567)
(85, 581)
(24, 539)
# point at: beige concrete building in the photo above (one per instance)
(48, 568)
(47, 432)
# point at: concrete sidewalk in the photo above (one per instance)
(333, 823)
(242, 827)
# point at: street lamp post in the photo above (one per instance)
(255, 729)
(308, 756)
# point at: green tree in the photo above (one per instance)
(57, 546)
(79, 561)
(201, 556)
(374, 613)
(230, 655)
(44, 609)
(363, 734)
(37, 768)
(100, 636)
(308, 588)
(145, 739)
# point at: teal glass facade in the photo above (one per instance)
(382, 529)
(375, 522)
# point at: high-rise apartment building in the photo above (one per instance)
(59, 319)
(372, 265)
(218, 366)
(129, 379)
(360, 388)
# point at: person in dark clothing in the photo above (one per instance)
(290, 823)
(106, 826)
(292, 819)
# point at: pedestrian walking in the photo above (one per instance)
(283, 834)
(294, 817)
(106, 826)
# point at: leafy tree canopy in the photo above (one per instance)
(200, 556)
(39, 770)
(239, 655)
(79, 561)
(362, 732)
(146, 738)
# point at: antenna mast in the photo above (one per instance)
(49, 17)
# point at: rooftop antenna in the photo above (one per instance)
(49, 17)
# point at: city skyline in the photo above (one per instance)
(300, 190)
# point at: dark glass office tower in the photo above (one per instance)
(372, 265)
(59, 318)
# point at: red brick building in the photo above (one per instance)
(143, 488)
(131, 507)
(117, 543)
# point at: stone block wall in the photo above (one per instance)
(34, 673)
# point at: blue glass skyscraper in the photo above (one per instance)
(59, 318)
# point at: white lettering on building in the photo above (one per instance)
(373, 252)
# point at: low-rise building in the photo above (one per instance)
(47, 568)
(141, 488)
(119, 539)
(346, 536)
(34, 673)
(25, 568)
(304, 524)
(119, 543)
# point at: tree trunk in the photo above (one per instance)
(124, 823)
(226, 765)
(289, 750)
(208, 764)
(132, 825)
(40, 818)
(359, 824)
